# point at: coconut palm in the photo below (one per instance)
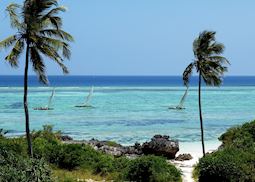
(39, 34)
(209, 64)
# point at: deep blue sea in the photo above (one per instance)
(140, 81)
(128, 108)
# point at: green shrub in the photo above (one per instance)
(15, 145)
(120, 163)
(229, 164)
(104, 166)
(47, 134)
(71, 156)
(151, 169)
(240, 137)
(16, 168)
(49, 151)
(234, 162)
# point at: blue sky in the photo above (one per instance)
(147, 37)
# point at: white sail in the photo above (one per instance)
(183, 99)
(51, 97)
(88, 98)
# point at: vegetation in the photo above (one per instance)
(150, 169)
(17, 168)
(240, 137)
(235, 161)
(39, 33)
(210, 66)
(72, 161)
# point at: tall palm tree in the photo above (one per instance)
(39, 34)
(209, 64)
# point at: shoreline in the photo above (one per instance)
(195, 149)
(186, 166)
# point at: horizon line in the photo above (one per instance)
(131, 75)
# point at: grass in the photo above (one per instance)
(63, 175)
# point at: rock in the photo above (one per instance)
(162, 146)
(115, 151)
(183, 157)
(66, 138)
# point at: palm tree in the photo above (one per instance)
(210, 66)
(39, 33)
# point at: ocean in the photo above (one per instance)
(128, 109)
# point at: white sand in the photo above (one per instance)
(195, 149)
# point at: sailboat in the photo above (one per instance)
(88, 99)
(180, 105)
(47, 107)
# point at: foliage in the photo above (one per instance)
(208, 60)
(70, 156)
(40, 29)
(240, 137)
(47, 134)
(104, 165)
(76, 160)
(14, 145)
(63, 175)
(151, 168)
(234, 162)
(17, 168)
(229, 164)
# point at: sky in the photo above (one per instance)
(146, 37)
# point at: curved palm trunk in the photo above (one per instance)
(29, 142)
(200, 114)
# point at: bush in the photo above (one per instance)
(46, 150)
(71, 156)
(229, 164)
(47, 134)
(19, 169)
(151, 169)
(14, 145)
(240, 137)
(104, 166)
(234, 162)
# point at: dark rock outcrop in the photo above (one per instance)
(183, 157)
(66, 138)
(162, 146)
(159, 145)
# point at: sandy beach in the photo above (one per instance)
(195, 150)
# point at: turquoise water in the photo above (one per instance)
(130, 114)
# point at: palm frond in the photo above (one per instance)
(210, 63)
(58, 34)
(53, 54)
(15, 53)
(66, 52)
(8, 42)
(202, 43)
(215, 48)
(12, 9)
(219, 59)
(211, 79)
(38, 65)
(187, 73)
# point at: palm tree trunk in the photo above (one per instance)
(200, 114)
(29, 142)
